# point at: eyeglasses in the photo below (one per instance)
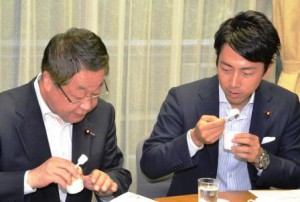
(82, 100)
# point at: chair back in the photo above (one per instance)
(148, 187)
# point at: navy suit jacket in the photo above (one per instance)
(166, 150)
(24, 146)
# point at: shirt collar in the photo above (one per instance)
(44, 107)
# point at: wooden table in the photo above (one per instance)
(234, 196)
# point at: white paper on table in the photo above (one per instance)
(276, 195)
(131, 197)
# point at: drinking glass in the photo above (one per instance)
(208, 189)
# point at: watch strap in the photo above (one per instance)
(264, 160)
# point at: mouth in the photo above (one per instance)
(80, 115)
(233, 95)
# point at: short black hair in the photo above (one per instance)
(252, 35)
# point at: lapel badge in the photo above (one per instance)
(267, 113)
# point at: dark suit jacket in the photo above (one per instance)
(24, 146)
(166, 150)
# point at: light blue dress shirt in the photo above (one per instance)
(232, 171)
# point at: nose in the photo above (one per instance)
(86, 104)
(235, 80)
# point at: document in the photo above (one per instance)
(131, 197)
(276, 195)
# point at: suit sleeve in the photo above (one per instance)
(12, 187)
(166, 151)
(284, 168)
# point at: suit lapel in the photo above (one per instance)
(33, 136)
(81, 142)
(260, 117)
(31, 129)
(260, 120)
(209, 97)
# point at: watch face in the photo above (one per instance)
(264, 160)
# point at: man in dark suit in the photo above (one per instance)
(48, 123)
(187, 139)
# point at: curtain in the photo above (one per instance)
(153, 45)
(286, 20)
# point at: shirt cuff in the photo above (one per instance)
(259, 171)
(193, 148)
(27, 188)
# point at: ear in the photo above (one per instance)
(46, 81)
(267, 73)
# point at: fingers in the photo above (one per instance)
(248, 146)
(100, 182)
(208, 118)
(208, 129)
(54, 170)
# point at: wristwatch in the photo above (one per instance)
(264, 160)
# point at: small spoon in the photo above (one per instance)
(81, 160)
(233, 113)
